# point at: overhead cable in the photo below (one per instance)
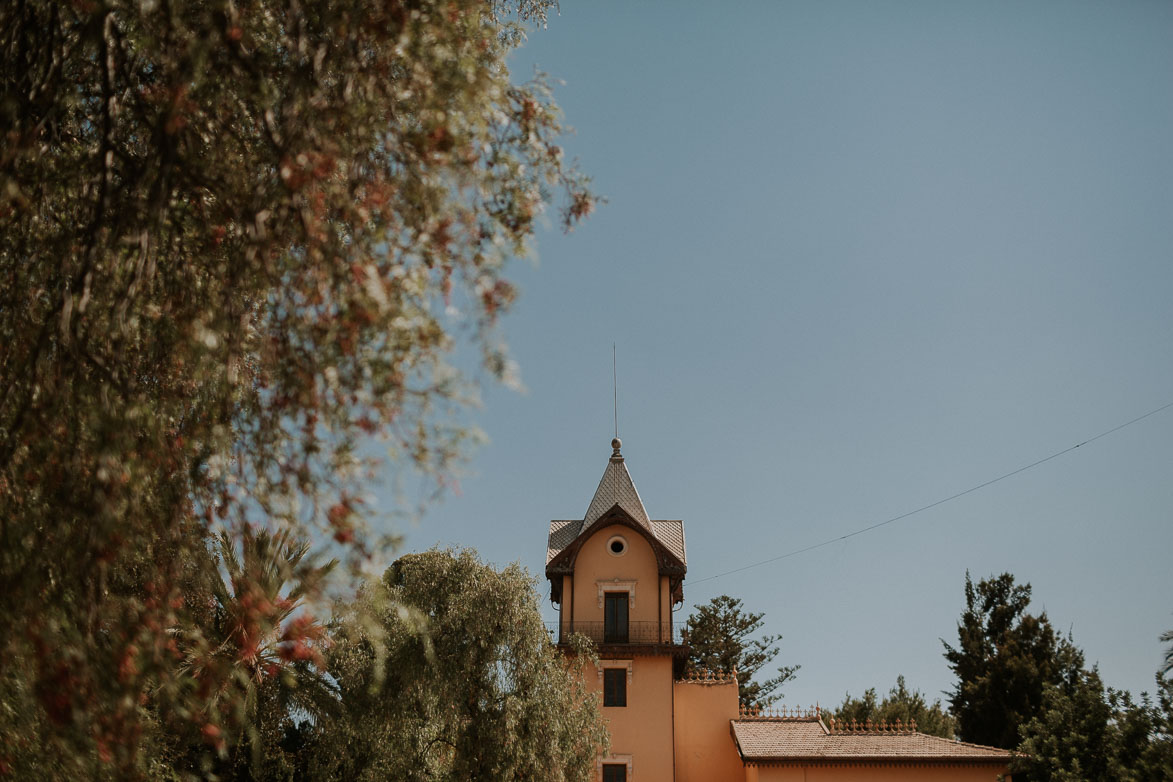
(950, 498)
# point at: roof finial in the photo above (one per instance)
(616, 444)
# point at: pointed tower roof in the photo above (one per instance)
(616, 488)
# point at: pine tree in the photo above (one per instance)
(1004, 661)
(719, 638)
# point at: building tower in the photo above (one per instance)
(615, 576)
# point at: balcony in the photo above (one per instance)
(606, 634)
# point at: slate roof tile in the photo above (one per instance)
(616, 488)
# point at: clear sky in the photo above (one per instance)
(858, 257)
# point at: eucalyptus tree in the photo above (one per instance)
(236, 239)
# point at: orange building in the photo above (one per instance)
(616, 576)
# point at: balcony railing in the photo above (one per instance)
(603, 633)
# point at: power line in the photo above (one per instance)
(950, 498)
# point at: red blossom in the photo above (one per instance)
(338, 513)
(128, 665)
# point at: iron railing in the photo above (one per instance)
(604, 633)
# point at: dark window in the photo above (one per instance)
(614, 686)
(614, 772)
(615, 618)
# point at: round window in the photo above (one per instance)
(617, 546)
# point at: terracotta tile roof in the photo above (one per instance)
(808, 739)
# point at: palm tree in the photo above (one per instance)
(263, 643)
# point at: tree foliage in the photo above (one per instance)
(899, 704)
(1167, 666)
(1015, 672)
(268, 643)
(1004, 661)
(1089, 732)
(1156, 719)
(718, 635)
(455, 679)
(236, 239)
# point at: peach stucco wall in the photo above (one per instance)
(866, 773)
(666, 605)
(594, 564)
(704, 747)
(643, 728)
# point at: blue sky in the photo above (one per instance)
(858, 257)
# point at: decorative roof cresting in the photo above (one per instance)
(616, 487)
